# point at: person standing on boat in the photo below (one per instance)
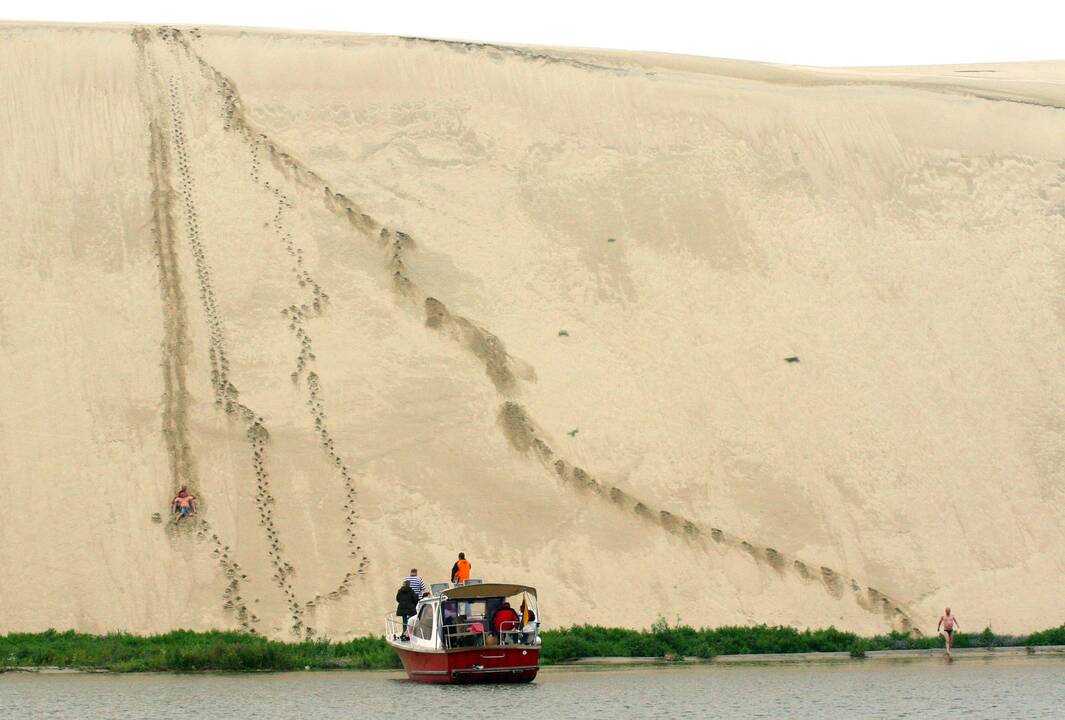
(407, 605)
(460, 571)
(460, 575)
(949, 624)
(416, 583)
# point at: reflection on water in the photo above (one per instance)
(999, 688)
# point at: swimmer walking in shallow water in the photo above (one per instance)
(948, 623)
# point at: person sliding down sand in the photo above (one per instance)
(184, 503)
(948, 622)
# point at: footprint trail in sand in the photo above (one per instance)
(504, 372)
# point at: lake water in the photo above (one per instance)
(927, 689)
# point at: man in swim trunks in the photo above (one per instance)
(184, 503)
(948, 623)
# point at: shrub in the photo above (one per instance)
(1053, 636)
(184, 650)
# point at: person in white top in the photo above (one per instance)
(416, 583)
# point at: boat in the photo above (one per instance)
(456, 637)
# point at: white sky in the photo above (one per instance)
(806, 32)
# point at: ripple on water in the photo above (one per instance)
(1000, 688)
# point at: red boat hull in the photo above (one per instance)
(491, 664)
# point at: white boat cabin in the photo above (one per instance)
(470, 615)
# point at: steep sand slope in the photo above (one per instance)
(378, 300)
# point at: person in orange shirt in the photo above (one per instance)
(460, 571)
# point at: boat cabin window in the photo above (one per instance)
(476, 609)
(424, 628)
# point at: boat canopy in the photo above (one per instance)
(486, 590)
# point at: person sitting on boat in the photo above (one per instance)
(505, 621)
(477, 628)
(461, 632)
(468, 632)
(407, 605)
(184, 503)
(530, 627)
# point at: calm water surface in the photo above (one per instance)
(1000, 688)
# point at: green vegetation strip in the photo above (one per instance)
(681, 641)
(187, 651)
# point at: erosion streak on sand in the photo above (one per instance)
(175, 345)
(175, 342)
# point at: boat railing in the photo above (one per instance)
(475, 633)
(510, 633)
(465, 634)
(513, 632)
(394, 627)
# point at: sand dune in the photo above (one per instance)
(666, 336)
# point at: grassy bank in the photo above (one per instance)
(681, 641)
(186, 651)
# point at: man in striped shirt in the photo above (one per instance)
(416, 583)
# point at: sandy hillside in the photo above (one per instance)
(379, 300)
